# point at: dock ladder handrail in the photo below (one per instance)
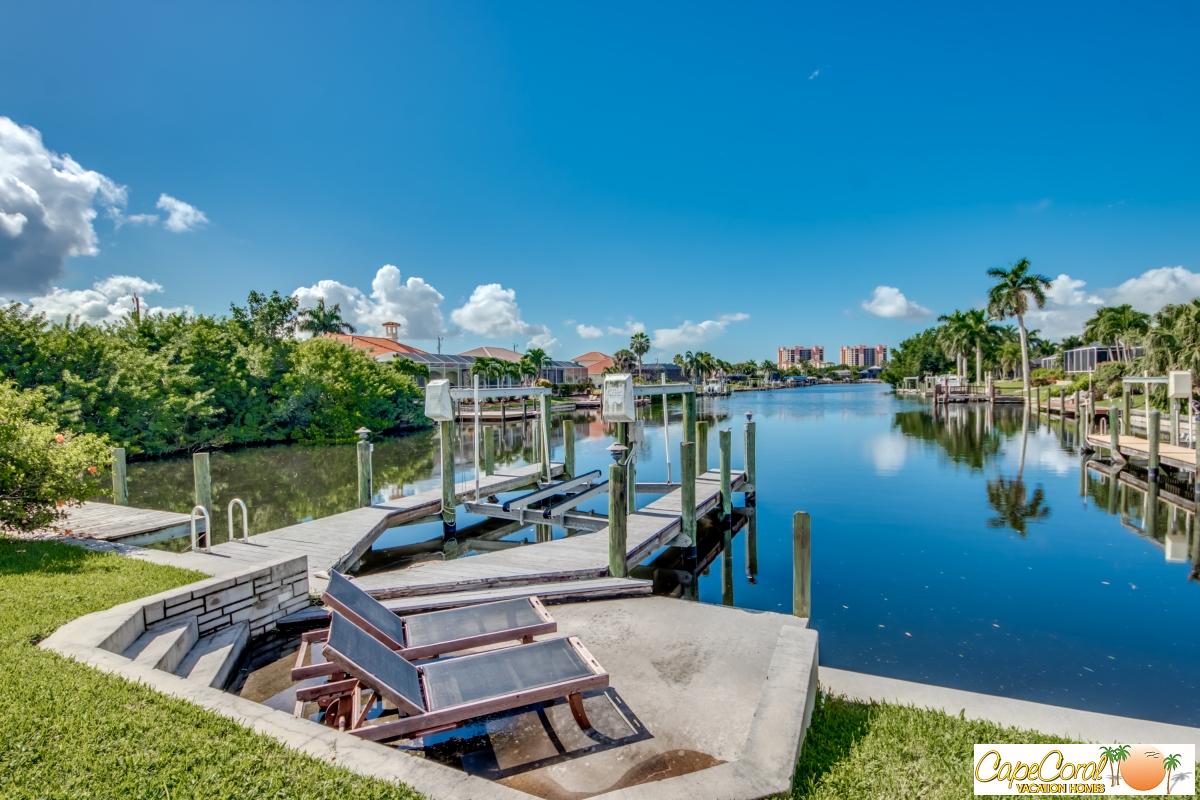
(245, 520)
(207, 530)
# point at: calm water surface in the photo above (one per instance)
(972, 550)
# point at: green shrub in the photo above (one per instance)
(42, 468)
(1045, 377)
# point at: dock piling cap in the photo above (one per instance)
(363, 433)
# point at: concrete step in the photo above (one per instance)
(164, 646)
(212, 659)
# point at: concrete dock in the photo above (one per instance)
(579, 557)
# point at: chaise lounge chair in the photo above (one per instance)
(420, 636)
(441, 695)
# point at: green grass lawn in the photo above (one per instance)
(68, 731)
(861, 750)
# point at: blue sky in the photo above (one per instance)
(657, 164)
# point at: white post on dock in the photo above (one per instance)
(666, 430)
(751, 470)
(366, 488)
(449, 498)
(544, 423)
(475, 399)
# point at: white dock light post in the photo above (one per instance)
(439, 407)
(366, 491)
(619, 404)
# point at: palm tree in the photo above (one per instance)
(482, 366)
(639, 343)
(624, 361)
(1109, 755)
(319, 320)
(533, 362)
(1173, 341)
(1119, 325)
(980, 335)
(1010, 297)
(1171, 763)
(1013, 506)
(953, 338)
(1120, 754)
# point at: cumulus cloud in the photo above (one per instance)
(890, 303)
(691, 334)
(1070, 304)
(48, 203)
(109, 300)
(588, 331)
(492, 311)
(413, 303)
(181, 216)
(1155, 288)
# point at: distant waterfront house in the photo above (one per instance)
(456, 369)
(373, 346)
(1085, 359)
(553, 371)
(596, 363)
(653, 372)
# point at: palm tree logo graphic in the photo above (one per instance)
(1170, 764)
(1115, 755)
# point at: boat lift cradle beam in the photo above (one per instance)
(550, 490)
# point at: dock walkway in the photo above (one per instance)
(1168, 454)
(111, 523)
(336, 541)
(580, 557)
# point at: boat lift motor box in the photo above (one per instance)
(1179, 385)
(439, 406)
(619, 404)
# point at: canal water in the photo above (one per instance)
(972, 549)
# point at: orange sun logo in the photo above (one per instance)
(1144, 769)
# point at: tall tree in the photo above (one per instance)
(1119, 325)
(322, 319)
(639, 343)
(1010, 297)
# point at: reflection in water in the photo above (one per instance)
(1156, 512)
(1015, 508)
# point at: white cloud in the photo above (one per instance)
(890, 303)
(181, 216)
(1155, 288)
(109, 300)
(492, 311)
(1069, 303)
(48, 203)
(413, 303)
(588, 331)
(691, 334)
(628, 329)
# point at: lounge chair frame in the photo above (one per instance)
(524, 634)
(348, 711)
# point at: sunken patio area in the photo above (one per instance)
(704, 701)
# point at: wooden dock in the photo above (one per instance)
(583, 556)
(110, 523)
(1169, 455)
(339, 540)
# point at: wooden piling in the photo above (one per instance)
(1152, 436)
(568, 426)
(617, 504)
(689, 416)
(1126, 410)
(724, 441)
(366, 489)
(701, 447)
(449, 501)
(1174, 421)
(751, 471)
(687, 491)
(801, 564)
(1114, 432)
(202, 481)
(120, 479)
